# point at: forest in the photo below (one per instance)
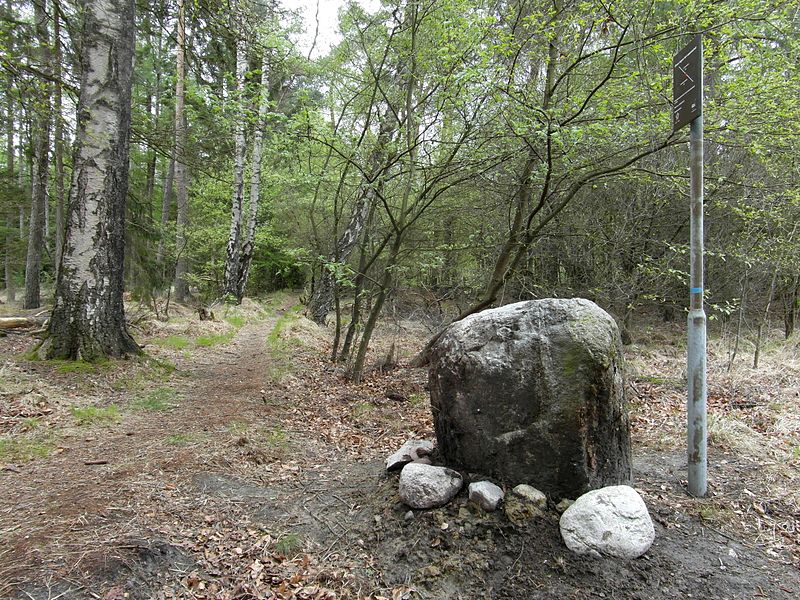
(165, 162)
(452, 155)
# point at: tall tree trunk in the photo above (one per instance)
(39, 174)
(88, 320)
(398, 222)
(764, 318)
(11, 292)
(357, 370)
(182, 201)
(358, 291)
(249, 246)
(322, 300)
(58, 136)
(237, 201)
(790, 306)
(166, 203)
(154, 111)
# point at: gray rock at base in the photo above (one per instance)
(426, 486)
(486, 495)
(611, 521)
(411, 451)
(534, 391)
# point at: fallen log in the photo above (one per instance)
(21, 322)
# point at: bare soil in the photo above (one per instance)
(247, 467)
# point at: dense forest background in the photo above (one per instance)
(444, 156)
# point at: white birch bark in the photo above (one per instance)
(237, 201)
(88, 320)
(248, 248)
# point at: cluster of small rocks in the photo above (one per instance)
(608, 522)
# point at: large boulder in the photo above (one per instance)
(534, 391)
(612, 521)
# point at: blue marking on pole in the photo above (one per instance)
(696, 290)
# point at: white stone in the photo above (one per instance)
(612, 521)
(427, 486)
(486, 495)
(532, 495)
(411, 451)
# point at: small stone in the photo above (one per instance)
(412, 450)
(531, 494)
(486, 495)
(426, 486)
(564, 505)
(431, 571)
(612, 521)
(524, 504)
(409, 515)
(732, 553)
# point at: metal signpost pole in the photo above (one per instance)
(688, 109)
(696, 360)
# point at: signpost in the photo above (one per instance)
(687, 108)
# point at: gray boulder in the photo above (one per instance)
(534, 391)
(612, 521)
(486, 495)
(427, 486)
(411, 451)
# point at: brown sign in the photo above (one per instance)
(687, 84)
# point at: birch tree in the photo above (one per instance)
(234, 236)
(248, 247)
(88, 320)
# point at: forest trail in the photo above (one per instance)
(248, 467)
(121, 503)
(104, 481)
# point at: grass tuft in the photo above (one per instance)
(160, 399)
(176, 342)
(91, 415)
(206, 341)
(236, 320)
(181, 439)
(12, 449)
(289, 545)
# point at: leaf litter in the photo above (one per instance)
(263, 487)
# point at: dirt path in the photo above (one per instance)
(263, 477)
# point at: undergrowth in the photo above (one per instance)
(16, 449)
(93, 415)
(160, 399)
